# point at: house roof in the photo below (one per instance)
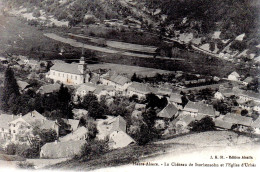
(192, 106)
(87, 87)
(118, 124)
(120, 139)
(223, 124)
(48, 124)
(45, 89)
(175, 97)
(140, 88)
(168, 112)
(250, 94)
(73, 123)
(5, 119)
(101, 88)
(118, 79)
(187, 119)
(235, 74)
(62, 149)
(238, 119)
(248, 79)
(33, 117)
(206, 109)
(139, 106)
(256, 123)
(66, 68)
(75, 135)
(22, 84)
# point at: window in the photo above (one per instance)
(13, 125)
(13, 131)
(53, 73)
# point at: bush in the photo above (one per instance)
(93, 149)
(11, 149)
(205, 124)
(25, 165)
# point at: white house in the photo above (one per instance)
(5, 132)
(119, 139)
(138, 89)
(84, 89)
(234, 76)
(119, 82)
(218, 95)
(70, 74)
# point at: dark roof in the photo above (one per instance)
(66, 68)
(168, 112)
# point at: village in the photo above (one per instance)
(117, 107)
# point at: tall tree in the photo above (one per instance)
(11, 88)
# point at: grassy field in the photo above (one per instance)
(188, 144)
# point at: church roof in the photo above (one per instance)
(66, 68)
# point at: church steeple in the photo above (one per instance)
(82, 66)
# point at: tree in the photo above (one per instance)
(92, 129)
(152, 100)
(205, 124)
(88, 99)
(95, 110)
(11, 88)
(244, 112)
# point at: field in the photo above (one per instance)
(128, 70)
(189, 146)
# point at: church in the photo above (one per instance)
(70, 74)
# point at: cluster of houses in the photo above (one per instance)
(19, 130)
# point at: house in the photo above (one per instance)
(56, 149)
(22, 86)
(219, 96)
(119, 139)
(169, 112)
(238, 119)
(222, 125)
(33, 64)
(80, 133)
(256, 126)
(70, 74)
(191, 108)
(140, 107)
(184, 121)
(118, 124)
(24, 60)
(5, 132)
(249, 95)
(161, 92)
(206, 110)
(247, 81)
(78, 113)
(119, 82)
(48, 89)
(138, 89)
(21, 128)
(84, 89)
(234, 76)
(250, 105)
(104, 90)
(176, 99)
(74, 124)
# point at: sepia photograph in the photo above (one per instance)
(129, 85)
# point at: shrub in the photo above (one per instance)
(25, 165)
(11, 149)
(205, 124)
(93, 149)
